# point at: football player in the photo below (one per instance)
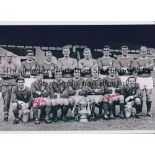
(21, 99)
(49, 66)
(106, 61)
(29, 67)
(75, 86)
(87, 63)
(67, 64)
(40, 94)
(113, 86)
(10, 71)
(132, 95)
(59, 96)
(125, 65)
(144, 67)
(95, 89)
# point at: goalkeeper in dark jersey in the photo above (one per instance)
(113, 86)
(21, 100)
(132, 96)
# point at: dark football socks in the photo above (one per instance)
(148, 105)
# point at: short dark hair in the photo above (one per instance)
(20, 79)
(30, 51)
(112, 67)
(77, 69)
(48, 52)
(131, 77)
(65, 47)
(124, 46)
(106, 46)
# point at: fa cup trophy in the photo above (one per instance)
(84, 111)
(25, 112)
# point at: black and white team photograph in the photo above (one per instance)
(77, 77)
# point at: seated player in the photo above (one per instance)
(144, 66)
(29, 67)
(49, 66)
(40, 95)
(125, 65)
(75, 86)
(59, 96)
(67, 64)
(87, 63)
(95, 89)
(21, 100)
(106, 61)
(132, 96)
(113, 87)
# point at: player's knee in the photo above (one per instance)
(14, 106)
(65, 102)
(48, 103)
(54, 103)
(148, 97)
(35, 105)
(71, 101)
(137, 101)
(93, 100)
(121, 99)
(100, 99)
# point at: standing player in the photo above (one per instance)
(95, 89)
(49, 66)
(21, 99)
(144, 67)
(29, 67)
(132, 96)
(40, 93)
(125, 65)
(10, 71)
(59, 96)
(87, 63)
(106, 61)
(75, 86)
(113, 84)
(67, 64)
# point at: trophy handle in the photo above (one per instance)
(73, 110)
(88, 109)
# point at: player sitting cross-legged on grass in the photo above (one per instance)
(59, 96)
(21, 100)
(87, 63)
(40, 93)
(132, 95)
(95, 89)
(75, 86)
(144, 66)
(113, 86)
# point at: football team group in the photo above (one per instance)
(109, 88)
